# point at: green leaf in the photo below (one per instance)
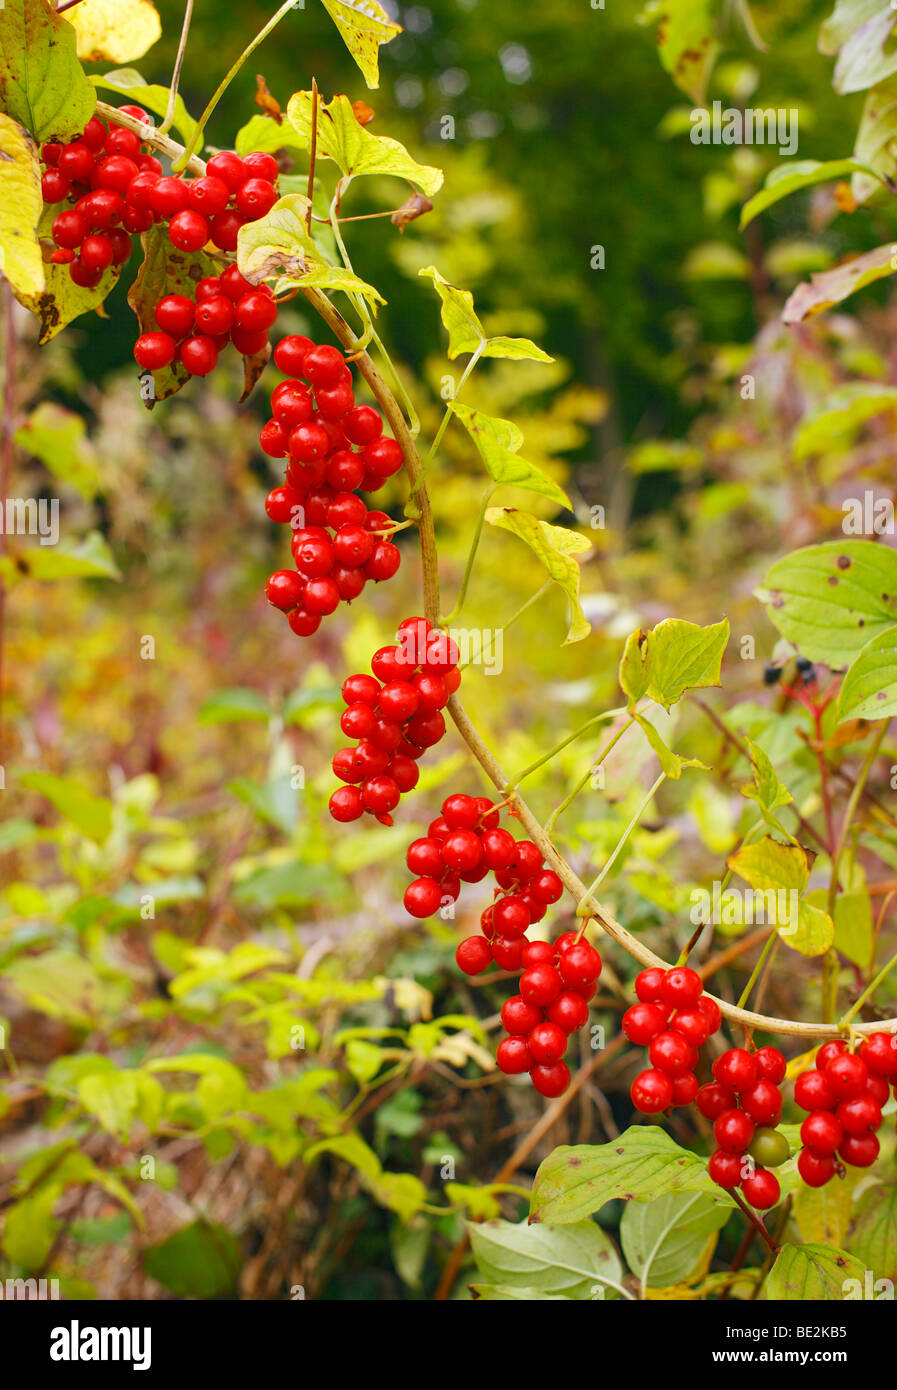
(274, 801)
(352, 148)
(664, 1240)
(61, 300)
(555, 546)
(874, 144)
(30, 1229)
(198, 1261)
(830, 287)
(506, 1293)
(129, 83)
(859, 31)
(780, 874)
(363, 25)
(854, 927)
(831, 600)
(467, 334)
(792, 177)
(670, 762)
(834, 423)
(504, 464)
(402, 1193)
(58, 437)
(60, 984)
(42, 84)
(278, 247)
(873, 1231)
(573, 1260)
(165, 270)
(870, 686)
(287, 885)
(119, 1098)
(90, 814)
(89, 558)
(263, 133)
(644, 1163)
(806, 1273)
(230, 706)
(20, 209)
(671, 658)
(823, 1213)
(687, 45)
(766, 790)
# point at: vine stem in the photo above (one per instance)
(430, 581)
(471, 556)
(176, 74)
(225, 82)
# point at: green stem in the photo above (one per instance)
(471, 556)
(533, 598)
(571, 796)
(869, 990)
(176, 74)
(195, 138)
(582, 910)
(447, 414)
(607, 717)
(755, 973)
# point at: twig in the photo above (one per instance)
(176, 74)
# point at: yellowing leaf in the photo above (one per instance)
(555, 546)
(671, 658)
(61, 300)
(115, 31)
(353, 148)
(466, 333)
(42, 84)
(780, 874)
(502, 461)
(364, 25)
(278, 247)
(20, 208)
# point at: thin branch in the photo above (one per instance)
(176, 74)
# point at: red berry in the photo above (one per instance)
(692, 1025)
(473, 955)
(858, 1115)
(363, 425)
(425, 731)
(322, 596)
(519, 1017)
(762, 1189)
(208, 195)
(290, 354)
(361, 687)
(119, 141)
(224, 228)
(215, 315)
(511, 915)
(736, 1069)
(682, 987)
(649, 985)
(383, 457)
(229, 167)
(303, 623)
(512, 1056)
(255, 310)
(643, 1022)
(815, 1169)
(273, 440)
(847, 1076)
(569, 1011)
(540, 985)
(498, 845)
(547, 1043)
(384, 562)
(70, 228)
(508, 952)
(460, 811)
(546, 886)
(199, 354)
(550, 1081)
(724, 1168)
(346, 804)
(256, 197)
(307, 443)
(154, 350)
(76, 161)
(96, 251)
(54, 186)
(685, 1088)
(710, 1009)
(423, 897)
(651, 1092)
(812, 1091)
(324, 366)
(879, 1052)
(771, 1064)
(169, 196)
(713, 1098)
(821, 1132)
(461, 852)
(174, 314)
(860, 1151)
(828, 1052)
(670, 1053)
(260, 165)
(580, 966)
(85, 276)
(763, 1103)
(733, 1131)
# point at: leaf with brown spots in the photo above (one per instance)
(831, 600)
(807, 1273)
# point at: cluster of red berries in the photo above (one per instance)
(333, 448)
(464, 844)
(93, 174)
(396, 714)
(844, 1095)
(673, 1018)
(227, 309)
(745, 1105)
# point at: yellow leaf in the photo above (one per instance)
(116, 31)
(778, 874)
(364, 25)
(555, 546)
(20, 209)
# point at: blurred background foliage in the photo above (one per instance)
(172, 887)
